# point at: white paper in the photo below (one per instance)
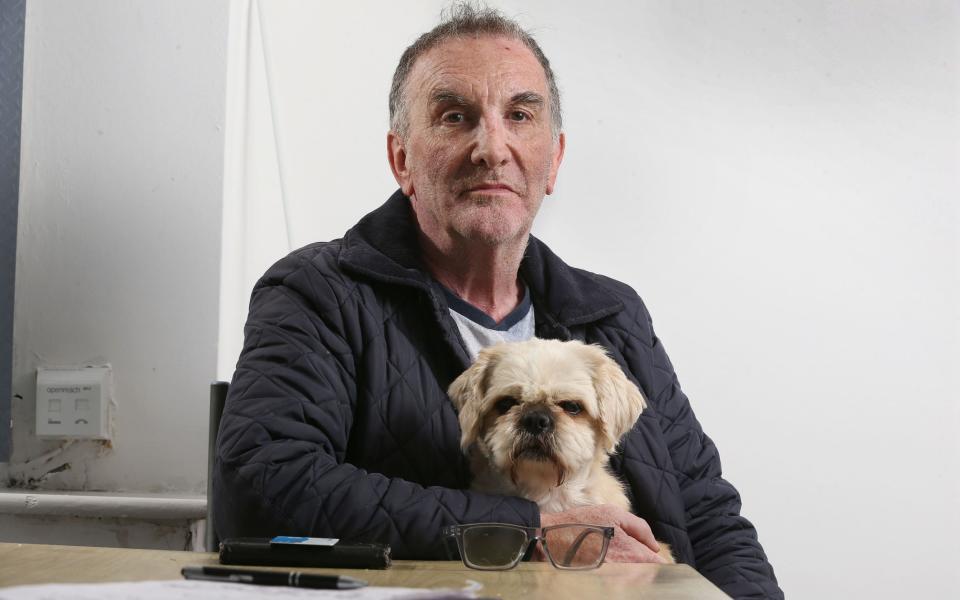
(209, 590)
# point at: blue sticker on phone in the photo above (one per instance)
(304, 541)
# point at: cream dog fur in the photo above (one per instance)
(540, 418)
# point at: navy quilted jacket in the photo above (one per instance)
(337, 422)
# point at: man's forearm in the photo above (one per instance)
(309, 494)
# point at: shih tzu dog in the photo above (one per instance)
(540, 418)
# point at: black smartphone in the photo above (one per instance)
(291, 551)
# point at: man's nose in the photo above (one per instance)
(490, 147)
(537, 421)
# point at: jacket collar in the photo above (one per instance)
(384, 246)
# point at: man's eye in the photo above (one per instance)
(504, 404)
(519, 115)
(453, 117)
(571, 408)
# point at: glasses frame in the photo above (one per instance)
(532, 536)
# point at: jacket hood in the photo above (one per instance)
(384, 246)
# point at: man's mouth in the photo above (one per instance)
(491, 188)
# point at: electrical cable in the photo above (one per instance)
(271, 100)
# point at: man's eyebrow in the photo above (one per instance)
(448, 97)
(527, 98)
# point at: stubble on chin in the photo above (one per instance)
(487, 220)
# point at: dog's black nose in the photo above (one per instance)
(537, 421)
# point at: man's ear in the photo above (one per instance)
(620, 402)
(558, 148)
(397, 155)
(468, 391)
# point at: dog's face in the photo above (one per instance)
(542, 410)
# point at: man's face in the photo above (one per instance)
(479, 153)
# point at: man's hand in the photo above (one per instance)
(632, 539)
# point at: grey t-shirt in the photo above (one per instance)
(478, 330)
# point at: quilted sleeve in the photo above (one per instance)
(280, 465)
(725, 543)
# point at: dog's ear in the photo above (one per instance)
(620, 401)
(467, 392)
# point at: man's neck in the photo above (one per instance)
(483, 275)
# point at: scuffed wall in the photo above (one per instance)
(105, 532)
(65, 466)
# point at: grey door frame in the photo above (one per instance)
(12, 15)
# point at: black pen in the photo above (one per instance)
(291, 578)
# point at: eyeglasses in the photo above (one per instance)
(501, 546)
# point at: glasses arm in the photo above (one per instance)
(452, 545)
(575, 546)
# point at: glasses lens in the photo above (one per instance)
(492, 546)
(576, 546)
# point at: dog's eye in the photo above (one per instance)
(571, 407)
(505, 404)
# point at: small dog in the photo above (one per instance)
(540, 418)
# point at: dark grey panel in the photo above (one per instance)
(11, 92)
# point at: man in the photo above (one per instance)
(337, 423)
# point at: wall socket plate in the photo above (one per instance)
(74, 403)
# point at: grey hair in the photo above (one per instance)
(465, 19)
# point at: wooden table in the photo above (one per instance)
(22, 564)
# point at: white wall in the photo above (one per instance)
(119, 236)
(777, 179)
